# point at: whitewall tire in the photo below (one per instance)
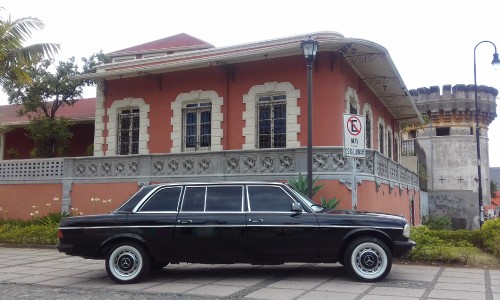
(368, 259)
(127, 262)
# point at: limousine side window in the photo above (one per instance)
(269, 198)
(194, 199)
(165, 199)
(224, 198)
(136, 198)
(213, 198)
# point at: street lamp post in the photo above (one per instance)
(496, 64)
(310, 47)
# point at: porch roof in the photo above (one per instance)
(371, 61)
(82, 110)
(171, 44)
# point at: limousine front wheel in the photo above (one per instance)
(127, 262)
(368, 259)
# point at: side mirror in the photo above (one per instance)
(296, 207)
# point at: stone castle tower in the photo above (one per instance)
(449, 140)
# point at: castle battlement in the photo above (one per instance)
(457, 102)
(457, 92)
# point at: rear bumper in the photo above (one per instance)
(403, 247)
(66, 248)
(71, 249)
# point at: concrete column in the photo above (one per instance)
(2, 144)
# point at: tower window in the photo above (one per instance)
(442, 131)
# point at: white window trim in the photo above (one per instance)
(217, 118)
(384, 139)
(396, 142)
(154, 55)
(368, 113)
(292, 112)
(351, 97)
(113, 112)
(123, 58)
(388, 131)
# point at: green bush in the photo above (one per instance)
(37, 231)
(30, 234)
(331, 203)
(460, 237)
(444, 245)
(53, 218)
(301, 185)
(437, 222)
(490, 234)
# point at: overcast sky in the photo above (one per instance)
(430, 42)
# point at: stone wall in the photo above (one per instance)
(461, 206)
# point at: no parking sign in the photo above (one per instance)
(354, 135)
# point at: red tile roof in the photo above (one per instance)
(83, 109)
(180, 41)
(496, 201)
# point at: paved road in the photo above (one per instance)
(48, 274)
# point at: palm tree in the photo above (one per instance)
(13, 55)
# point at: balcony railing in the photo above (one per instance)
(413, 148)
(268, 164)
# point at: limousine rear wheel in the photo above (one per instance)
(368, 259)
(127, 262)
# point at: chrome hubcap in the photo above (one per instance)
(368, 261)
(126, 263)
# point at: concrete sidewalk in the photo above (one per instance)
(48, 268)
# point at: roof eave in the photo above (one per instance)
(288, 46)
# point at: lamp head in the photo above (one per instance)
(496, 62)
(310, 47)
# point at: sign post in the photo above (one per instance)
(354, 147)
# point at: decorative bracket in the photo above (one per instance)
(101, 85)
(348, 183)
(391, 188)
(151, 76)
(362, 58)
(224, 67)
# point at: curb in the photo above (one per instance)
(33, 246)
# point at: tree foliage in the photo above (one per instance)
(14, 55)
(48, 91)
(51, 136)
(493, 189)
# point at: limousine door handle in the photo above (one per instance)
(184, 221)
(255, 220)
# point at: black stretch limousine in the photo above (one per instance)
(233, 222)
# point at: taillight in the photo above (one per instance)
(59, 234)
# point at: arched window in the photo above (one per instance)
(271, 116)
(351, 101)
(197, 126)
(196, 121)
(389, 142)
(381, 136)
(367, 111)
(128, 127)
(128, 131)
(396, 147)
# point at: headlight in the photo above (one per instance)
(406, 230)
